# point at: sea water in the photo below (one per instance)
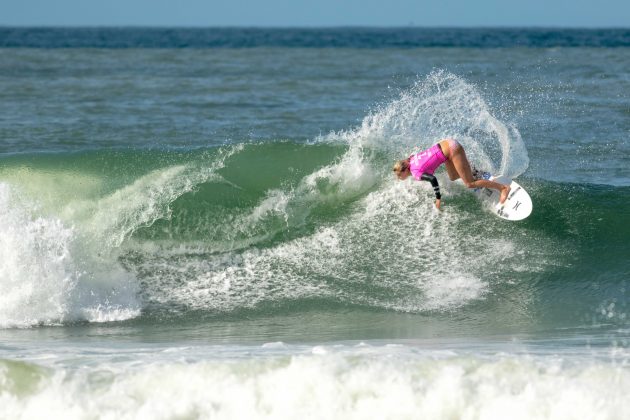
(204, 224)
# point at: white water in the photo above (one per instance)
(277, 381)
(441, 106)
(59, 253)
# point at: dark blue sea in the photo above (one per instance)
(203, 223)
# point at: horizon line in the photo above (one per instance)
(303, 27)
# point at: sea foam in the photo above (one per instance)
(59, 261)
(356, 383)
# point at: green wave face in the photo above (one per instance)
(261, 227)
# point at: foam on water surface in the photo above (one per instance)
(335, 381)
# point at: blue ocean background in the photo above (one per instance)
(203, 223)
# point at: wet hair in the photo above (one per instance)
(400, 166)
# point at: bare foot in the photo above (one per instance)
(504, 194)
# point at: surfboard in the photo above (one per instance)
(518, 204)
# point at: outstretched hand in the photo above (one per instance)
(437, 203)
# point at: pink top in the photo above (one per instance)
(426, 162)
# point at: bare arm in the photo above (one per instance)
(436, 187)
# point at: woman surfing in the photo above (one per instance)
(450, 153)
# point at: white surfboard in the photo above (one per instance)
(518, 204)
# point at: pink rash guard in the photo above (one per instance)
(426, 162)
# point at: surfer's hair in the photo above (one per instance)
(400, 166)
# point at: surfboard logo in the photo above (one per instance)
(513, 192)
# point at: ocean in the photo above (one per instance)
(203, 224)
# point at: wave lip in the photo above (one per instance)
(37, 271)
(44, 280)
(60, 246)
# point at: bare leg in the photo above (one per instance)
(461, 164)
(452, 172)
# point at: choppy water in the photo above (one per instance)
(215, 232)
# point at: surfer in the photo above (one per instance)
(450, 153)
